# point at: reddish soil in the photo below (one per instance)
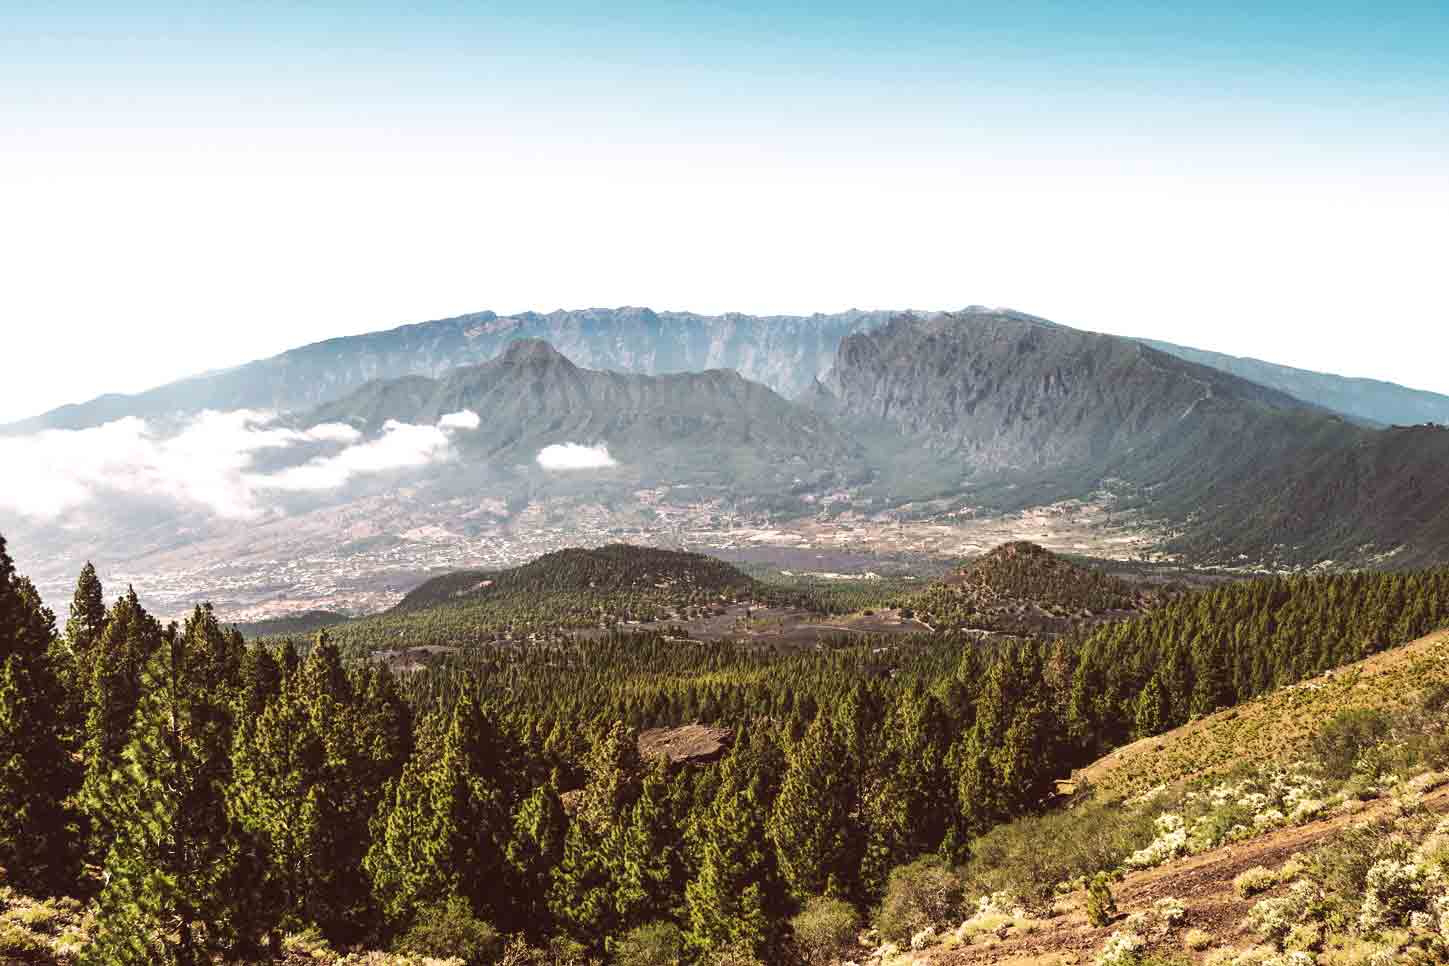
(1204, 884)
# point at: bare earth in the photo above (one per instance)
(1204, 884)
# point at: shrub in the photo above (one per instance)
(1085, 840)
(1340, 868)
(451, 929)
(560, 952)
(735, 954)
(1342, 741)
(925, 893)
(823, 928)
(1122, 949)
(1274, 919)
(1392, 890)
(1252, 881)
(17, 941)
(1169, 911)
(1196, 940)
(1101, 907)
(655, 944)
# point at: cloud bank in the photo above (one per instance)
(575, 456)
(208, 463)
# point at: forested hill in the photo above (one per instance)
(613, 569)
(1025, 589)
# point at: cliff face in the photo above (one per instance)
(1005, 391)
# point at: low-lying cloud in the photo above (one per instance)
(463, 419)
(208, 463)
(575, 456)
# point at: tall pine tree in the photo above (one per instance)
(37, 831)
(166, 871)
(812, 825)
(738, 897)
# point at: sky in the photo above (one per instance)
(186, 187)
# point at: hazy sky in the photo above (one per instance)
(185, 187)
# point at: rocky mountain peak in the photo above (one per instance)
(533, 353)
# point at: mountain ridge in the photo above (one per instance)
(786, 352)
(1374, 402)
(1239, 470)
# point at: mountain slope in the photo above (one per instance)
(1031, 412)
(531, 396)
(1005, 391)
(1370, 401)
(783, 351)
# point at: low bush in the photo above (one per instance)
(451, 929)
(925, 893)
(1101, 907)
(1252, 881)
(1342, 742)
(824, 928)
(735, 954)
(1085, 840)
(655, 944)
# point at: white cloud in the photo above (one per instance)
(401, 445)
(575, 456)
(462, 419)
(208, 463)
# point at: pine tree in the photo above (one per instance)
(130, 637)
(38, 837)
(738, 896)
(277, 762)
(1151, 715)
(535, 850)
(907, 808)
(448, 836)
(75, 654)
(87, 616)
(583, 897)
(1007, 760)
(261, 682)
(649, 877)
(811, 824)
(167, 869)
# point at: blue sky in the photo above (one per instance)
(192, 186)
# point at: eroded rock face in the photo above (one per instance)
(694, 743)
(1004, 390)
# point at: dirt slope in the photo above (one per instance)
(1273, 726)
(1204, 884)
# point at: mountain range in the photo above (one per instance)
(533, 396)
(457, 444)
(785, 352)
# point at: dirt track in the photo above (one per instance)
(1204, 883)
